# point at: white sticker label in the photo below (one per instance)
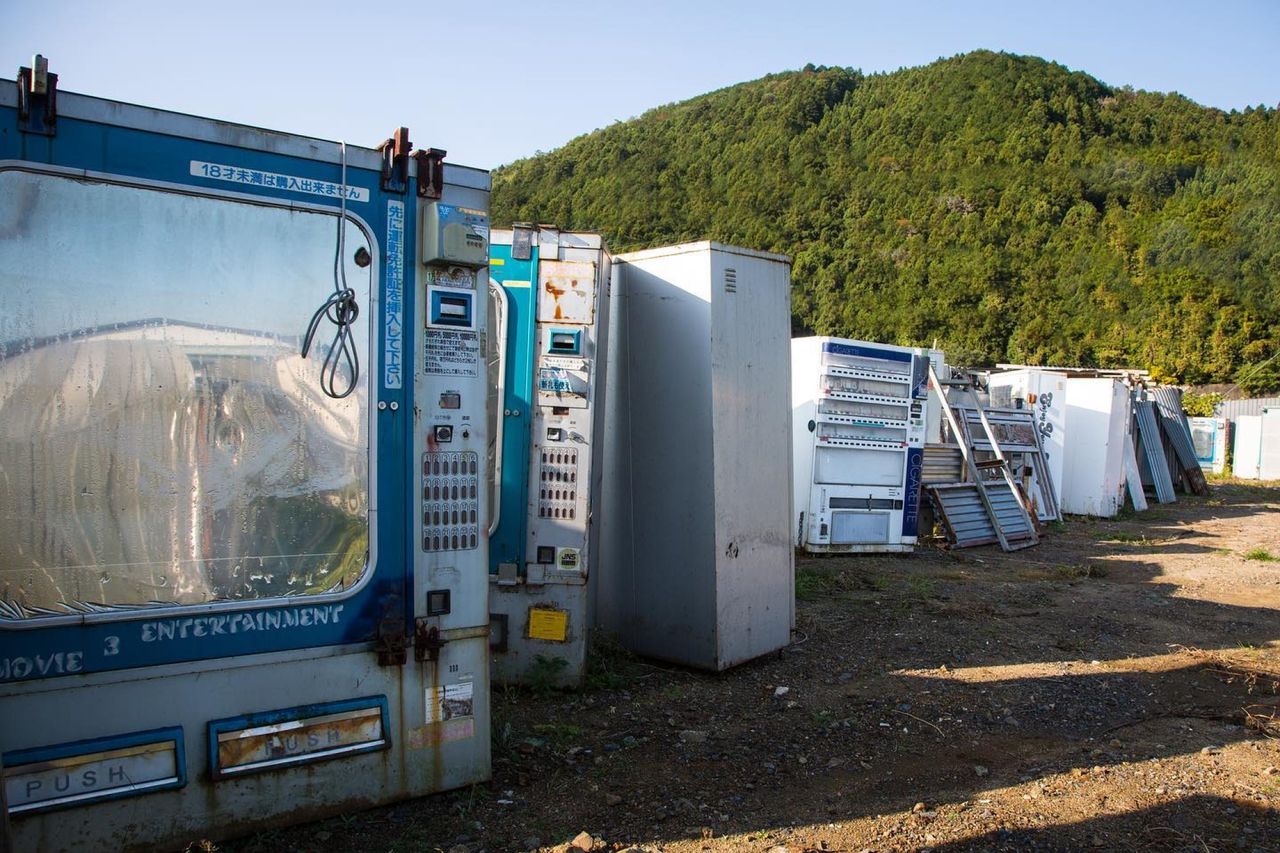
(393, 310)
(272, 180)
(450, 702)
(450, 353)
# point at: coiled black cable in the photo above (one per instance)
(341, 309)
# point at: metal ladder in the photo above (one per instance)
(976, 468)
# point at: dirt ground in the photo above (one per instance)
(1115, 688)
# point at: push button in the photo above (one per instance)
(443, 433)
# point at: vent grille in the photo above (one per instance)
(730, 281)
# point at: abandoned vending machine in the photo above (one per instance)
(858, 432)
(242, 425)
(549, 292)
(698, 563)
(1044, 392)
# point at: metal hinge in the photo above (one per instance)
(395, 162)
(37, 98)
(430, 172)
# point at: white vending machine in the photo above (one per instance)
(1045, 393)
(1209, 438)
(1256, 453)
(697, 560)
(1099, 419)
(858, 432)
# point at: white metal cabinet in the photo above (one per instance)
(697, 557)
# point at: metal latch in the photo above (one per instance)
(427, 642)
(395, 162)
(37, 98)
(430, 172)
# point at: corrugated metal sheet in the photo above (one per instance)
(943, 463)
(967, 521)
(1015, 523)
(1153, 449)
(963, 515)
(1232, 409)
(1174, 423)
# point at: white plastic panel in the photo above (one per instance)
(854, 466)
(1247, 450)
(852, 528)
(1269, 460)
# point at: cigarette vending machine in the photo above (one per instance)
(550, 297)
(859, 425)
(243, 572)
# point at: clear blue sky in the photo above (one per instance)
(492, 82)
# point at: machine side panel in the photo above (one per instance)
(667, 607)
(751, 432)
(805, 358)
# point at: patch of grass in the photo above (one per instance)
(1119, 536)
(559, 734)
(544, 675)
(1056, 526)
(921, 588)
(1079, 571)
(811, 584)
(1062, 572)
(880, 583)
(1262, 555)
(1123, 537)
(610, 666)
(413, 840)
(671, 692)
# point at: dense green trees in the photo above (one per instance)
(1003, 205)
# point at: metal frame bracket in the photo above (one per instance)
(430, 172)
(37, 98)
(395, 162)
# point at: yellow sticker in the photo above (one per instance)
(547, 624)
(497, 262)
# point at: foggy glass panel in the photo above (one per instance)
(162, 442)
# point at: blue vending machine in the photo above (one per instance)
(243, 577)
(549, 292)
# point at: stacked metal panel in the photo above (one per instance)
(1153, 450)
(1018, 439)
(967, 520)
(1173, 421)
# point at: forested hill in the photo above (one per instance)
(1004, 205)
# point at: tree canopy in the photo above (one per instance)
(1005, 206)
